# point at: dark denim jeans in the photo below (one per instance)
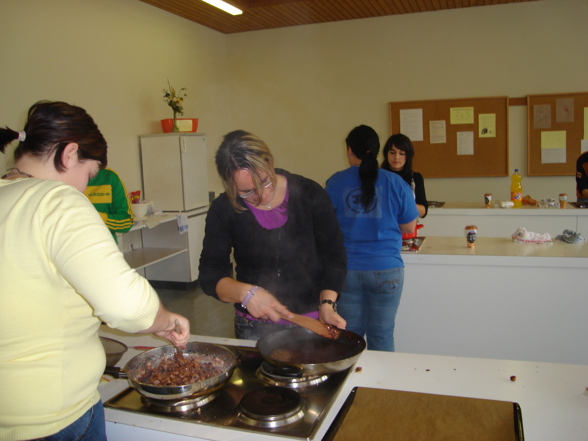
(89, 427)
(369, 302)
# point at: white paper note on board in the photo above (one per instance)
(564, 110)
(465, 143)
(411, 123)
(487, 125)
(542, 116)
(437, 132)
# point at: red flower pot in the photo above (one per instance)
(184, 125)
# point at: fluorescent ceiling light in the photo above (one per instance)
(224, 6)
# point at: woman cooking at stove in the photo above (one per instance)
(61, 274)
(374, 208)
(398, 154)
(284, 236)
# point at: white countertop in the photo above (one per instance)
(499, 251)
(478, 208)
(553, 397)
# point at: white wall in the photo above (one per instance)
(112, 57)
(301, 88)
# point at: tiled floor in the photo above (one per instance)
(207, 315)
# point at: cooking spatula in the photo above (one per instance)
(322, 329)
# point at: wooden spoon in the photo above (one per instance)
(179, 353)
(320, 328)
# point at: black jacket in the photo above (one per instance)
(294, 262)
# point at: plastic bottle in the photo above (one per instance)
(516, 189)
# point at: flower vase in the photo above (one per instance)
(176, 129)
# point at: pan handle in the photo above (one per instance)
(116, 372)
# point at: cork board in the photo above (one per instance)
(555, 130)
(465, 137)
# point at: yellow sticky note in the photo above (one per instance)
(555, 139)
(461, 115)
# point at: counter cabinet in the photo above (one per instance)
(498, 300)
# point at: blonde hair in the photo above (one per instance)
(241, 150)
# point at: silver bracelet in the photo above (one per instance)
(248, 296)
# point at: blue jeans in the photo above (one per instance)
(369, 302)
(247, 329)
(89, 427)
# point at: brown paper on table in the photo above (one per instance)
(378, 414)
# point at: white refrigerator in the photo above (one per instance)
(174, 166)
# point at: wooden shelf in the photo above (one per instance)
(142, 257)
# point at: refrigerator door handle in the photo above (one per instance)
(182, 145)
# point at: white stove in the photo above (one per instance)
(259, 397)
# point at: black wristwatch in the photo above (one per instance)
(330, 302)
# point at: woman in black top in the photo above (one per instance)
(398, 154)
(284, 236)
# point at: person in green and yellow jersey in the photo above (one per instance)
(108, 194)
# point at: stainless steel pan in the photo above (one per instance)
(136, 367)
(309, 352)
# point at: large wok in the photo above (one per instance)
(311, 353)
(136, 367)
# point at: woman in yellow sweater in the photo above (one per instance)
(61, 274)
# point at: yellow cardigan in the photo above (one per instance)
(61, 274)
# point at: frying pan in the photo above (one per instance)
(136, 367)
(114, 350)
(309, 352)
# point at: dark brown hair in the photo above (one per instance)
(365, 145)
(401, 142)
(50, 127)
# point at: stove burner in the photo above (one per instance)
(287, 376)
(181, 405)
(271, 407)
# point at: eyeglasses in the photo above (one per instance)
(252, 192)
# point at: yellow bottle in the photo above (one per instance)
(516, 189)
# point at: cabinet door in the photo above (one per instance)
(162, 172)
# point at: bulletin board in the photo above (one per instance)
(556, 126)
(465, 137)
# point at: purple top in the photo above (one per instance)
(273, 218)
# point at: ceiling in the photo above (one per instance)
(271, 14)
